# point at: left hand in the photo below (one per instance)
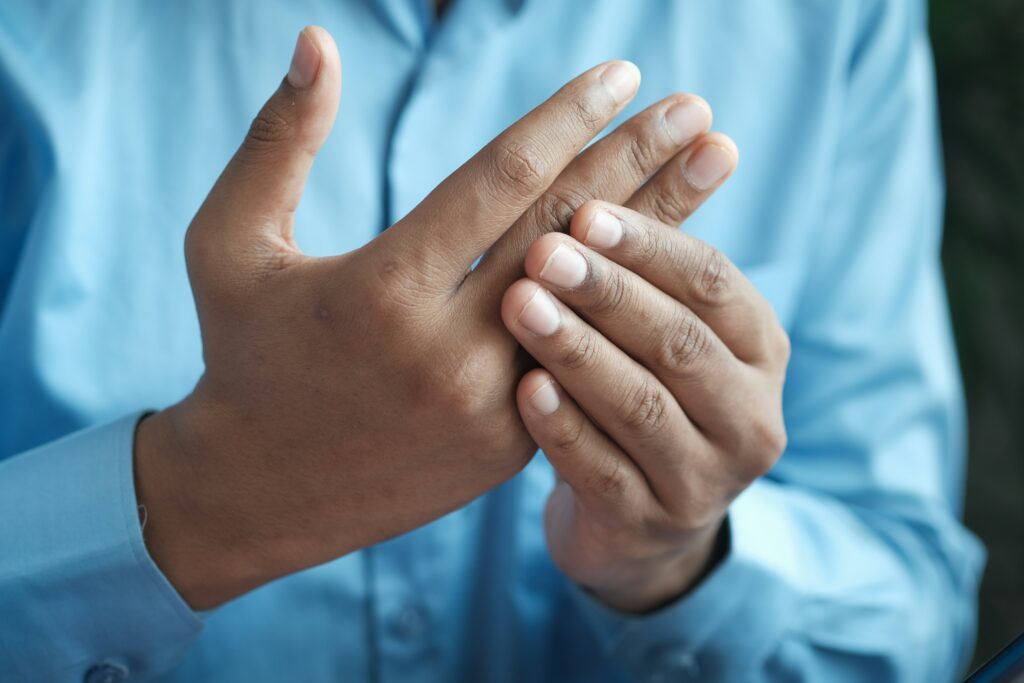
(659, 399)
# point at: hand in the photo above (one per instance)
(660, 395)
(352, 398)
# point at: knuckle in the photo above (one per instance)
(648, 245)
(782, 344)
(270, 127)
(570, 438)
(518, 165)
(767, 442)
(608, 479)
(670, 207)
(642, 154)
(402, 295)
(711, 277)
(645, 411)
(686, 517)
(586, 111)
(685, 346)
(463, 386)
(556, 210)
(609, 295)
(579, 353)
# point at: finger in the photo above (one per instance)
(257, 194)
(466, 213)
(612, 169)
(685, 183)
(690, 271)
(596, 469)
(621, 396)
(657, 331)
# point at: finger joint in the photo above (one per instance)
(580, 353)
(518, 165)
(711, 280)
(270, 127)
(684, 347)
(645, 412)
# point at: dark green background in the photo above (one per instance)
(979, 55)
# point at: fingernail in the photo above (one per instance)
(305, 62)
(545, 399)
(539, 314)
(605, 231)
(686, 120)
(707, 166)
(565, 268)
(622, 80)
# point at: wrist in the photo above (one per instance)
(197, 542)
(649, 585)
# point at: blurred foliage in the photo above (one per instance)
(979, 55)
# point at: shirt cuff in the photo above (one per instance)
(724, 629)
(78, 590)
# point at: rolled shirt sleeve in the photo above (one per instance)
(79, 595)
(849, 562)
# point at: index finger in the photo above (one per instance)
(475, 205)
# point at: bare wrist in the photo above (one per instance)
(652, 586)
(195, 542)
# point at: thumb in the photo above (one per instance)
(257, 194)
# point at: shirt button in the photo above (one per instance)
(675, 666)
(107, 672)
(411, 623)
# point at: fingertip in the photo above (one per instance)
(621, 78)
(726, 142)
(538, 393)
(596, 225)
(515, 298)
(529, 310)
(306, 59)
(538, 253)
(581, 219)
(687, 118)
(315, 46)
(713, 160)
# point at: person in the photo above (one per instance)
(319, 463)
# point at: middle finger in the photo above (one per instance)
(612, 169)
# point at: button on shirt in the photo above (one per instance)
(847, 562)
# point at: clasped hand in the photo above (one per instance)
(352, 398)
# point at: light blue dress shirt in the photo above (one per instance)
(847, 562)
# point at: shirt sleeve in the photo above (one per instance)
(849, 562)
(79, 594)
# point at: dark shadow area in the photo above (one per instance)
(979, 52)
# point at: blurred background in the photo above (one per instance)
(979, 55)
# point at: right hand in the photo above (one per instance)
(352, 398)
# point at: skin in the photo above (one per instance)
(349, 399)
(659, 398)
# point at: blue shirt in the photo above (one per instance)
(847, 562)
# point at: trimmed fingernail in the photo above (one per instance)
(622, 80)
(707, 166)
(605, 231)
(565, 268)
(539, 314)
(545, 399)
(305, 62)
(686, 120)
